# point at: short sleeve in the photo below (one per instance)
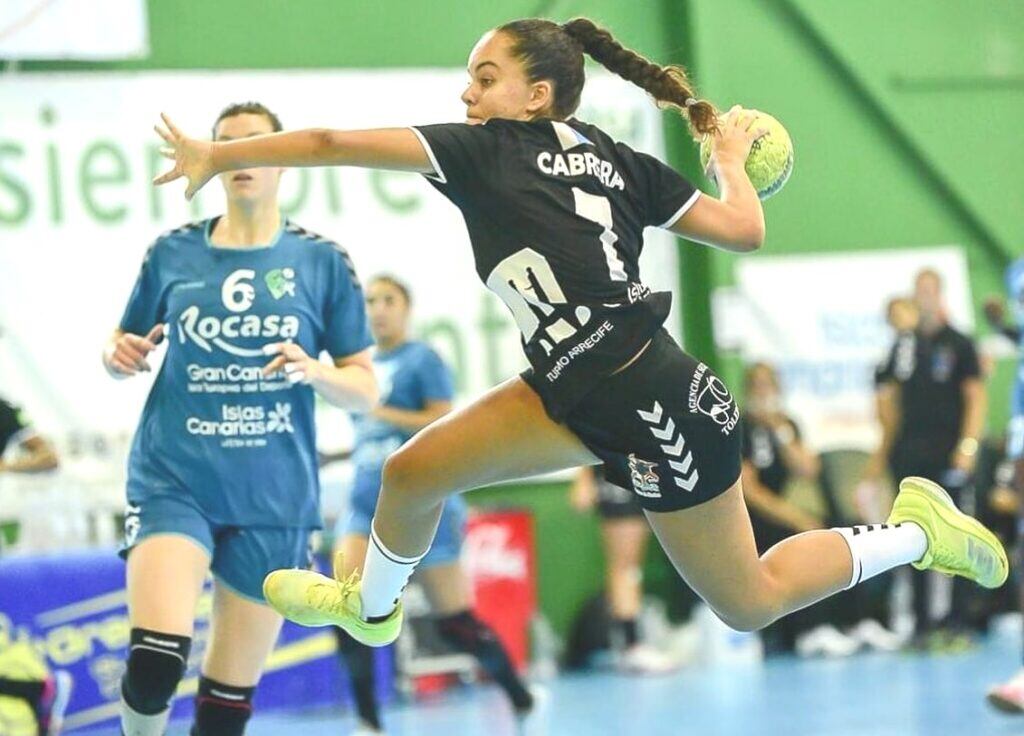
(970, 366)
(667, 194)
(346, 331)
(435, 378)
(460, 154)
(144, 308)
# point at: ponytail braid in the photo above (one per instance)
(668, 85)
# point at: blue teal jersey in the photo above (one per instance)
(240, 446)
(409, 377)
(1015, 291)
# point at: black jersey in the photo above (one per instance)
(930, 371)
(555, 212)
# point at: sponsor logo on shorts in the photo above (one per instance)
(710, 397)
(680, 460)
(645, 479)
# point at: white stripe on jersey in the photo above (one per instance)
(681, 211)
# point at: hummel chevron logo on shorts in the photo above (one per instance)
(686, 476)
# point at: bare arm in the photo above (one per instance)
(124, 355)
(802, 461)
(39, 456)
(972, 423)
(397, 149)
(888, 410)
(413, 420)
(734, 221)
(348, 383)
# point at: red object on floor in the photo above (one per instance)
(498, 555)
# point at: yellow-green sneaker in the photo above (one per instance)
(311, 599)
(957, 543)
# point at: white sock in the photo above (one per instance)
(880, 547)
(385, 576)
(137, 724)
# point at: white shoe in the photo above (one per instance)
(643, 659)
(826, 641)
(872, 634)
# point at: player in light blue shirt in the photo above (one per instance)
(416, 389)
(1010, 695)
(222, 474)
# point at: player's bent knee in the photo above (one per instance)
(403, 474)
(748, 615)
(156, 664)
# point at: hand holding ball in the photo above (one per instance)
(770, 161)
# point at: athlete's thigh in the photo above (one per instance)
(712, 546)
(446, 586)
(352, 548)
(242, 634)
(503, 435)
(165, 576)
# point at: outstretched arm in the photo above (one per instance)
(397, 149)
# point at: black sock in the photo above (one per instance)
(624, 633)
(221, 710)
(30, 690)
(360, 662)
(471, 635)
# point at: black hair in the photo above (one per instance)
(554, 52)
(248, 108)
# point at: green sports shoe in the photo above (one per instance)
(311, 599)
(957, 543)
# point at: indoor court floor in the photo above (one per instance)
(873, 694)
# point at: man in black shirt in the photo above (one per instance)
(930, 389)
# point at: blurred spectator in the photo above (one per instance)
(931, 405)
(624, 537)
(35, 452)
(32, 698)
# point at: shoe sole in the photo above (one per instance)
(946, 508)
(1004, 705)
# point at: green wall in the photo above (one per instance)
(904, 119)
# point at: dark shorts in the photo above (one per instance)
(616, 502)
(666, 427)
(240, 556)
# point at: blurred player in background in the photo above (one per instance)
(416, 389)
(555, 211)
(932, 406)
(1009, 697)
(624, 536)
(32, 697)
(222, 475)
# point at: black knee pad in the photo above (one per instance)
(221, 710)
(156, 664)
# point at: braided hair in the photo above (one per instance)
(554, 52)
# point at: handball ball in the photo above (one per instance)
(771, 157)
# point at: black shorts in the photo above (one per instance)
(616, 502)
(665, 426)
